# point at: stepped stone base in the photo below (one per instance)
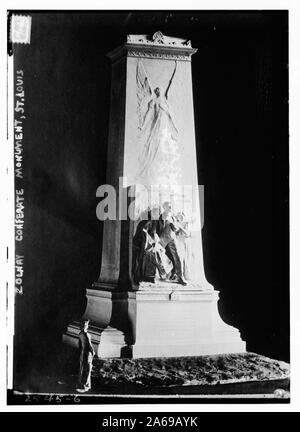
(164, 320)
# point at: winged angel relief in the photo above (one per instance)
(157, 133)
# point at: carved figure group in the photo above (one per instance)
(159, 249)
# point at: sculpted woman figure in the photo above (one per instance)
(158, 133)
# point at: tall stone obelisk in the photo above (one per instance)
(152, 150)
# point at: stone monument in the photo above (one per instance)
(152, 298)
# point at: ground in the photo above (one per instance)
(231, 374)
(218, 369)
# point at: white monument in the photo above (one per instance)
(152, 298)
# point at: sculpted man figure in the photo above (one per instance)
(167, 234)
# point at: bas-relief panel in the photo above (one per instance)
(159, 151)
(157, 139)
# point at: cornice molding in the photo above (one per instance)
(159, 46)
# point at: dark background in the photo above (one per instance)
(240, 85)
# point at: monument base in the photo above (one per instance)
(162, 320)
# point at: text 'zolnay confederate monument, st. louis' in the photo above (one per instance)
(152, 298)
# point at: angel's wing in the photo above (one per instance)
(144, 91)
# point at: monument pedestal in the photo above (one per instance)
(175, 322)
(159, 320)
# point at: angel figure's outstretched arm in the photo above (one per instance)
(170, 82)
